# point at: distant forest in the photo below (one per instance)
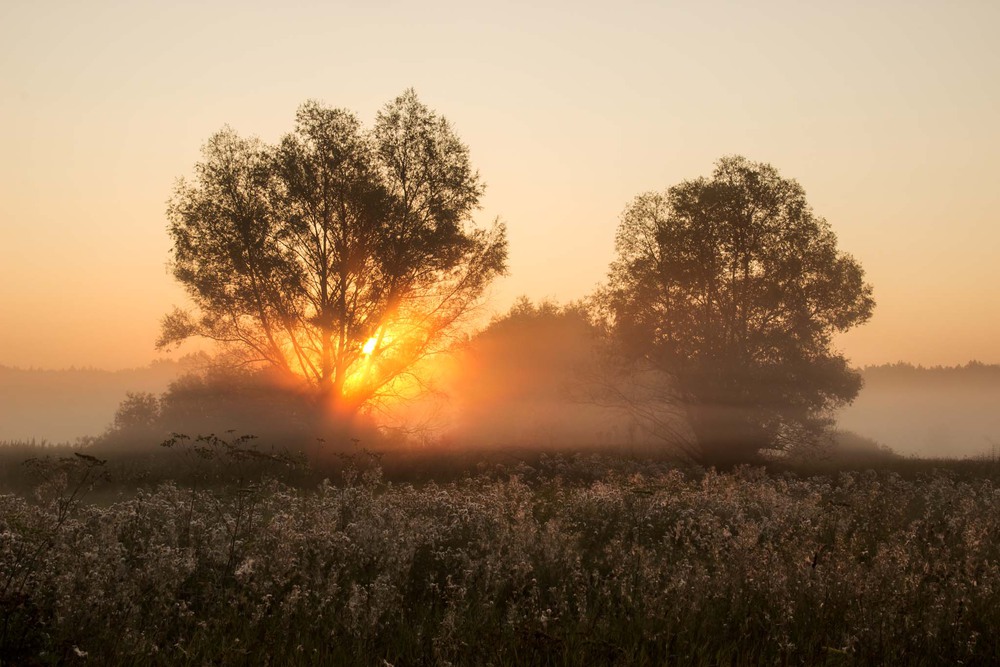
(939, 411)
(905, 372)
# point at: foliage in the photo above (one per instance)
(572, 561)
(733, 286)
(138, 411)
(257, 400)
(212, 401)
(534, 351)
(530, 378)
(298, 254)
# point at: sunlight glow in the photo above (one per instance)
(369, 346)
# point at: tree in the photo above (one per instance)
(735, 288)
(340, 255)
(528, 379)
(138, 412)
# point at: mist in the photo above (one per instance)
(63, 405)
(534, 378)
(537, 378)
(947, 412)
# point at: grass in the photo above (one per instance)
(548, 559)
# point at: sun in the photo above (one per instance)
(369, 346)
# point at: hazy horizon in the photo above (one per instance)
(915, 411)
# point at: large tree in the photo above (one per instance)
(735, 288)
(340, 255)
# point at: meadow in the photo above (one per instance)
(250, 557)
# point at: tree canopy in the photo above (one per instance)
(734, 287)
(341, 255)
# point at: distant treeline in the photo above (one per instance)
(906, 372)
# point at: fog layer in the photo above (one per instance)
(531, 379)
(929, 412)
(63, 405)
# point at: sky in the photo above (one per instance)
(885, 112)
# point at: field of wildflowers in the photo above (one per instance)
(573, 560)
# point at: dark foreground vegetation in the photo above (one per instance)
(553, 559)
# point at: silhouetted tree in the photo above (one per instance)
(534, 351)
(139, 411)
(528, 379)
(340, 255)
(734, 287)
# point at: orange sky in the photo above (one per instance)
(886, 114)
